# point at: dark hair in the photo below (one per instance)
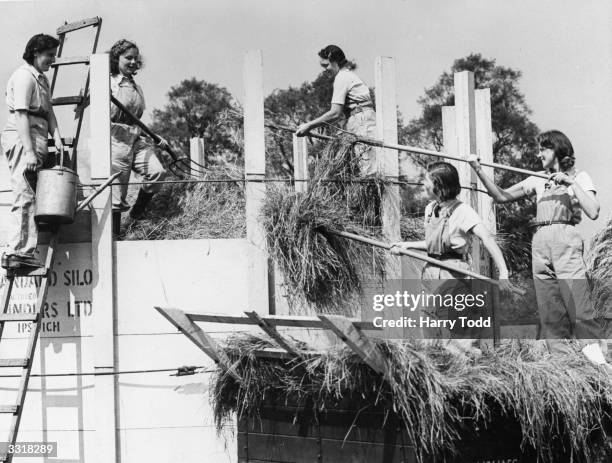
(37, 44)
(118, 49)
(445, 179)
(561, 146)
(334, 53)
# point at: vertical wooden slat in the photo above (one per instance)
(197, 154)
(484, 147)
(255, 169)
(103, 297)
(300, 163)
(386, 125)
(465, 115)
(449, 137)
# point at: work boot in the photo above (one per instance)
(116, 224)
(138, 209)
(14, 261)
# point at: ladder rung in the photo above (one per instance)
(75, 26)
(68, 141)
(18, 317)
(61, 61)
(66, 100)
(11, 363)
(26, 272)
(9, 409)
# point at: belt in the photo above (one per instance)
(359, 109)
(32, 113)
(446, 256)
(544, 223)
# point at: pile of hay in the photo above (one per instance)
(318, 267)
(599, 269)
(561, 404)
(194, 210)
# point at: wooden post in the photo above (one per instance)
(465, 114)
(484, 147)
(486, 206)
(300, 163)
(386, 125)
(255, 170)
(449, 136)
(103, 265)
(197, 154)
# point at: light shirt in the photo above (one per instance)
(536, 185)
(349, 90)
(27, 89)
(460, 224)
(129, 94)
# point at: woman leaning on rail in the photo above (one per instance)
(24, 142)
(351, 97)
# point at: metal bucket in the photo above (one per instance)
(56, 195)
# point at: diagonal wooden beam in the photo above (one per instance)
(273, 333)
(357, 341)
(207, 344)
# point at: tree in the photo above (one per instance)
(513, 138)
(291, 107)
(197, 108)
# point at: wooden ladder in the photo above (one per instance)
(81, 101)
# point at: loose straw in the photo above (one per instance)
(414, 149)
(416, 255)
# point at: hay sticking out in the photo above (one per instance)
(599, 269)
(194, 210)
(318, 267)
(560, 403)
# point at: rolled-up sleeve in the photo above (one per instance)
(22, 90)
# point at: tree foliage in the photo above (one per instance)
(513, 134)
(197, 108)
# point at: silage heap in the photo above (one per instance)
(558, 404)
(319, 268)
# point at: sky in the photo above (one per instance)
(563, 49)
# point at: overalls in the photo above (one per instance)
(23, 239)
(131, 150)
(437, 280)
(559, 272)
(361, 120)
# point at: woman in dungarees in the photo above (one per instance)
(130, 149)
(449, 227)
(24, 143)
(559, 272)
(351, 97)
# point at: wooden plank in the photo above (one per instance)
(75, 26)
(63, 61)
(465, 118)
(274, 320)
(300, 163)
(274, 334)
(208, 345)
(9, 409)
(255, 189)
(356, 340)
(386, 126)
(67, 100)
(197, 154)
(103, 265)
(19, 317)
(484, 148)
(12, 363)
(449, 136)
(280, 353)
